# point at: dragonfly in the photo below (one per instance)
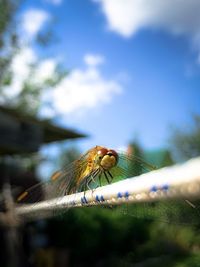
(98, 165)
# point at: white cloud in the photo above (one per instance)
(81, 90)
(93, 60)
(33, 20)
(84, 89)
(126, 17)
(45, 69)
(21, 67)
(179, 17)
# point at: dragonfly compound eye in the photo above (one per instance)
(112, 152)
(100, 154)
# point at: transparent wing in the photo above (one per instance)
(170, 211)
(180, 211)
(129, 166)
(60, 184)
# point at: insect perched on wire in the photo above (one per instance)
(98, 165)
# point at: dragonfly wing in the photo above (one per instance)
(44, 191)
(170, 211)
(133, 165)
(129, 166)
(58, 185)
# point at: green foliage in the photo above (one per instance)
(96, 235)
(8, 8)
(186, 143)
(8, 39)
(99, 236)
(29, 99)
(135, 150)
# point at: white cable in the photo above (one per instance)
(178, 181)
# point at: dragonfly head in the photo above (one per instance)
(106, 158)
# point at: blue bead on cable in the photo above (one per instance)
(97, 198)
(154, 188)
(84, 200)
(126, 194)
(119, 195)
(165, 187)
(102, 198)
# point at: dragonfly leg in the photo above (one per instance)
(92, 180)
(88, 184)
(89, 179)
(85, 188)
(100, 179)
(110, 174)
(106, 176)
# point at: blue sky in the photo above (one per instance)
(135, 68)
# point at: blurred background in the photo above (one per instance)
(124, 74)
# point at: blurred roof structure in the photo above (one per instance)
(22, 133)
